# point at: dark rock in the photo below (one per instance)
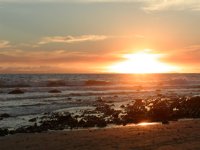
(92, 121)
(82, 123)
(76, 116)
(105, 109)
(122, 106)
(96, 83)
(21, 130)
(33, 120)
(12, 132)
(165, 122)
(99, 99)
(56, 83)
(16, 91)
(54, 91)
(177, 81)
(159, 95)
(59, 121)
(158, 90)
(110, 101)
(101, 123)
(5, 115)
(3, 132)
(139, 88)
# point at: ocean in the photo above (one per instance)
(79, 91)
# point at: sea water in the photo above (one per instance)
(79, 91)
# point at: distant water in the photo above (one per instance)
(81, 90)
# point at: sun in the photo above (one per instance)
(141, 62)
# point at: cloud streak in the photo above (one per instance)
(53, 57)
(147, 5)
(59, 61)
(4, 44)
(160, 5)
(72, 39)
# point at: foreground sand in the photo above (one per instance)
(183, 135)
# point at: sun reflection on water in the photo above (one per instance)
(147, 123)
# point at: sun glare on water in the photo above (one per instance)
(141, 62)
(148, 123)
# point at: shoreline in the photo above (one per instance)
(176, 135)
(111, 126)
(161, 109)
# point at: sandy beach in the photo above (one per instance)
(177, 135)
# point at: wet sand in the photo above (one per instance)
(182, 135)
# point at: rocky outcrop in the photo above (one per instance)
(96, 83)
(3, 132)
(56, 83)
(16, 91)
(55, 91)
(5, 115)
(139, 110)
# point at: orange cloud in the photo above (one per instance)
(4, 44)
(59, 61)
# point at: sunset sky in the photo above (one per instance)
(99, 36)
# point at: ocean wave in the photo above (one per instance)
(53, 83)
(25, 105)
(74, 94)
(70, 80)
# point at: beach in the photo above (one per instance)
(174, 136)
